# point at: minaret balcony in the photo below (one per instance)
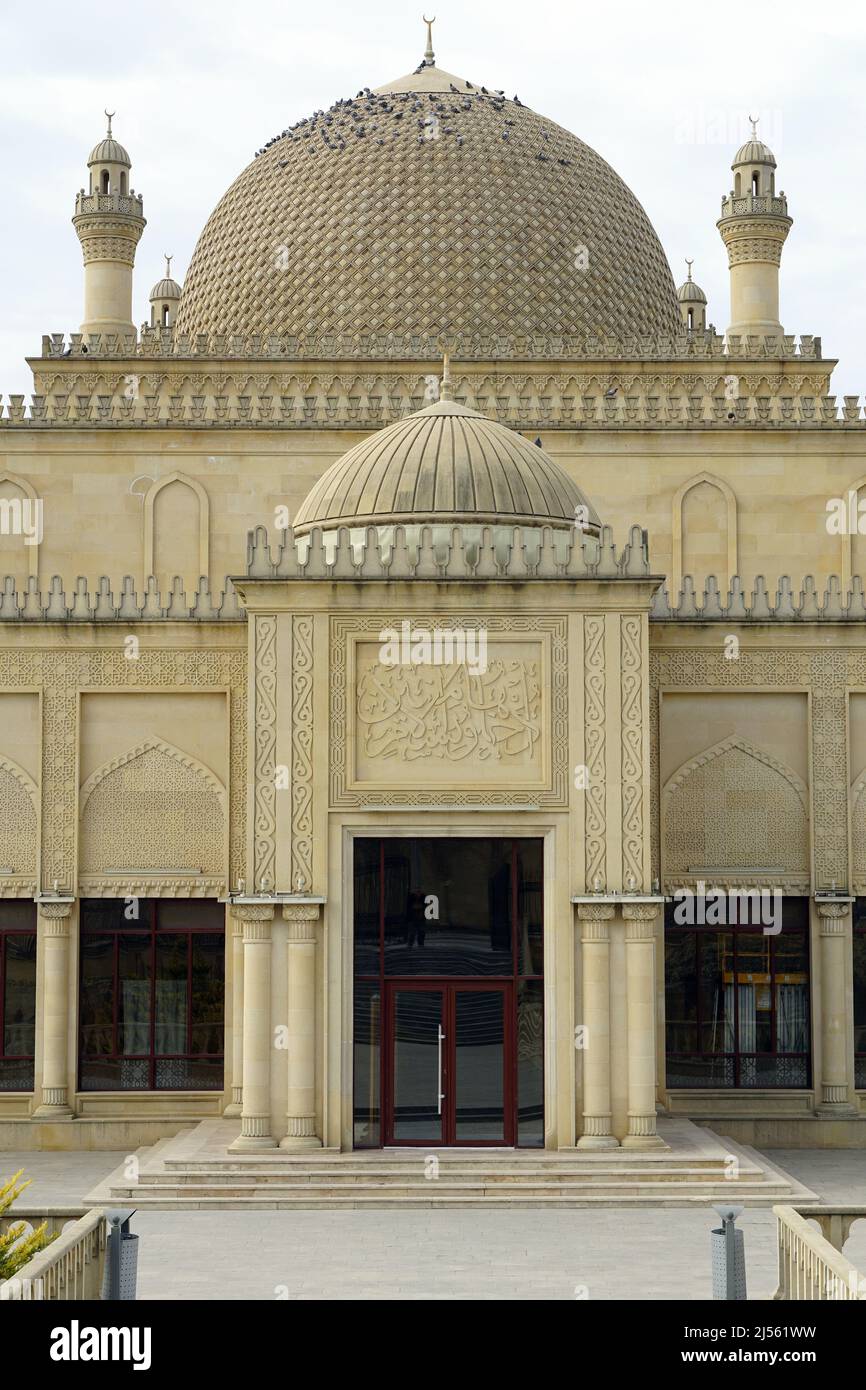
(130, 204)
(751, 205)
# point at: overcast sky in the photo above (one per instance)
(662, 91)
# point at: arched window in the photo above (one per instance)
(123, 183)
(165, 316)
(737, 186)
(756, 183)
(691, 319)
(105, 181)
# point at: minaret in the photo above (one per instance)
(693, 303)
(164, 299)
(109, 221)
(753, 225)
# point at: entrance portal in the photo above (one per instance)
(448, 1064)
(448, 997)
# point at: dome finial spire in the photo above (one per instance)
(111, 115)
(445, 383)
(690, 263)
(168, 261)
(754, 120)
(429, 58)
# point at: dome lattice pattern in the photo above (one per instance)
(426, 212)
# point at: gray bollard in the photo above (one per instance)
(729, 1257)
(121, 1257)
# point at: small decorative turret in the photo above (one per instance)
(754, 225)
(109, 222)
(693, 303)
(164, 299)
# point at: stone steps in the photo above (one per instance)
(402, 1176)
(194, 1171)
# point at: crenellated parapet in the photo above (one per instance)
(83, 604)
(442, 553)
(383, 347)
(320, 398)
(784, 603)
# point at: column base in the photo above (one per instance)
(841, 1108)
(644, 1141)
(597, 1141)
(299, 1143)
(252, 1143)
(52, 1112)
(232, 1111)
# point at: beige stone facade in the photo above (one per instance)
(193, 701)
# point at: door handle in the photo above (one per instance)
(441, 1095)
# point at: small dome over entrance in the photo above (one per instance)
(446, 464)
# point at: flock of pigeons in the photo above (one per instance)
(369, 115)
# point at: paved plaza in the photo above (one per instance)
(599, 1254)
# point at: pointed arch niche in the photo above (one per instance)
(853, 547)
(176, 525)
(735, 807)
(151, 807)
(31, 552)
(720, 514)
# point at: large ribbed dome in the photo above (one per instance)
(445, 464)
(428, 206)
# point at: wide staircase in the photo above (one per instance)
(193, 1170)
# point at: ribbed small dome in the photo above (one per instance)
(754, 152)
(109, 151)
(166, 289)
(691, 293)
(444, 464)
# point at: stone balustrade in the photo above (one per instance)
(811, 1263)
(70, 1268)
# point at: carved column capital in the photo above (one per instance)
(56, 913)
(833, 917)
(302, 919)
(250, 913)
(595, 912)
(640, 919)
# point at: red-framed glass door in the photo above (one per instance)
(449, 1063)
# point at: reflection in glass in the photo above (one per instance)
(447, 907)
(417, 1023)
(367, 1047)
(530, 1063)
(19, 1004)
(747, 1023)
(480, 1075)
(860, 994)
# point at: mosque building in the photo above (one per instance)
(432, 669)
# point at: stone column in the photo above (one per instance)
(641, 1018)
(237, 1060)
(595, 971)
(833, 918)
(302, 919)
(257, 1038)
(53, 939)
